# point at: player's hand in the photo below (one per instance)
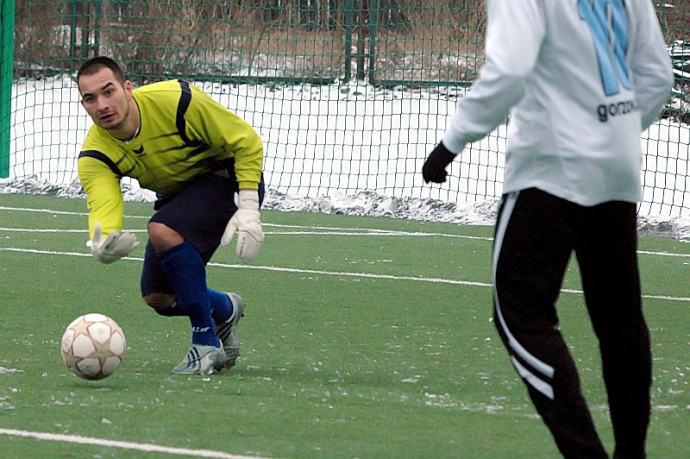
(434, 169)
(112, 248)
(246, 222)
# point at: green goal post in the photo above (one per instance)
(6, 81)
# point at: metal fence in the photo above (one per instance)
(308, 74)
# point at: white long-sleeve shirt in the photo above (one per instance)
(581, 80)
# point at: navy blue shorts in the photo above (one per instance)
(199, 214)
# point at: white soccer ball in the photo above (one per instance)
(93, 346)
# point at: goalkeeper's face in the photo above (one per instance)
(106, 100)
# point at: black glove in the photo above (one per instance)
(434, 169)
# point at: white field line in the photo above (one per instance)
(308, 230)
(664, 254)
(435, 280)
(330, 232)
(123, 444)
(45, 211)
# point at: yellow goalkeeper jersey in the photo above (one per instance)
(183, 134)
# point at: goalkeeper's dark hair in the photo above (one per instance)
(94, 65)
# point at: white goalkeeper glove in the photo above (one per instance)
(246, 222)
(113, 247)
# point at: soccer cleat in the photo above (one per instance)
(227, 332)
(200, 360)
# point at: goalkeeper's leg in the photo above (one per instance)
(184, 234)
(532, 246)
(159, 294)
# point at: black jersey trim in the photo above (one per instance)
(182, 106)
(103, 158)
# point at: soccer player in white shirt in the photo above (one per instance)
(580, 81)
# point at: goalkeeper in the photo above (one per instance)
(205, 165)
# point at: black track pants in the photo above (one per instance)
(536, 234)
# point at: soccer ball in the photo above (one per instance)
(93, 346)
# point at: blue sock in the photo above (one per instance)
(221, 306)
(187, 273)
